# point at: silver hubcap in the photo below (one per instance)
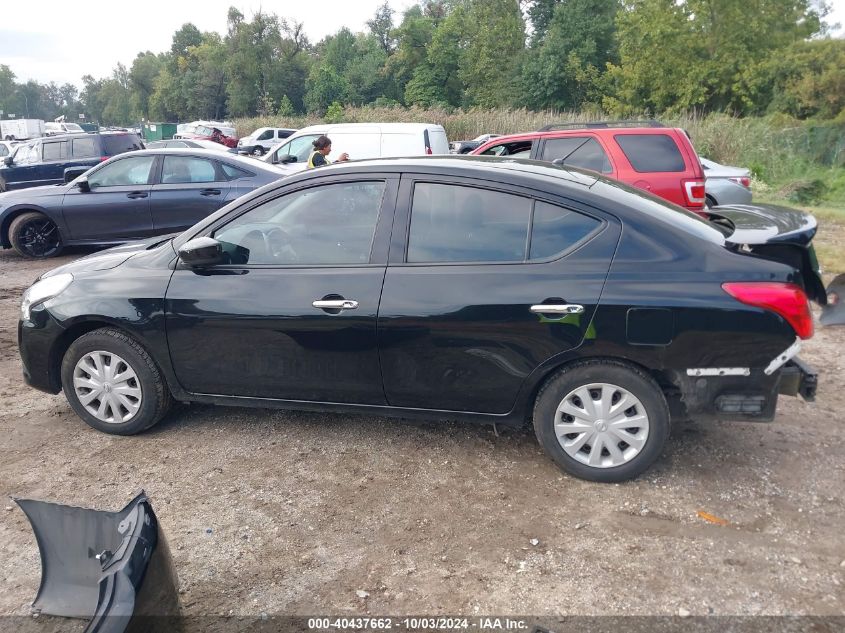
(601, 425)
(107, 387)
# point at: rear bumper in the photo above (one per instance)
(747, 397)
(798, 378)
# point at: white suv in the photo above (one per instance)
(263, 140)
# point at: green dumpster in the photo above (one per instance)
(159, 131)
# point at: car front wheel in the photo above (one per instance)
(113, 384)
(258, 151)
(34, 235)
(602, 420)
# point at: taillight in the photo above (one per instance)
(745, 181)
(428, 151)
(787, 300)
(104, 158)
(694, 190)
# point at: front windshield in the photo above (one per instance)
(203, 130)
(73, 127)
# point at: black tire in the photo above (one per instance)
(637, 383)
(258, 151)
(709, 202)
(35, 236)
(156, 399)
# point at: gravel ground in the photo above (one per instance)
(297, 513)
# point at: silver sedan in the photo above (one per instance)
(726, 185)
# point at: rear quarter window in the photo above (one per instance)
(85, 147)
(650, 153)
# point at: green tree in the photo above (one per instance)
(142, 75)
(563, 68)
(325, 86)
(381, 27)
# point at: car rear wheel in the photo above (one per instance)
(602, 420)
(113, 384)
(709, 202)
(34, 235)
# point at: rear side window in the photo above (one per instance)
(650, 153)
(555, 230)
(186, 169)
(117, 144)
(517, 149)
(85, 147)
(578, 151)
(232, 172)
(453, 223)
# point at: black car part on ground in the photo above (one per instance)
(112, 567)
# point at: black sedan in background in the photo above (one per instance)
(131, 196)
(485, 290)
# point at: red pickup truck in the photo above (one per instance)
(644, 154)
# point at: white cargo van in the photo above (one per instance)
(360, 140)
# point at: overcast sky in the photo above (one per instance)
(51, 40)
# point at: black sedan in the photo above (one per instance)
(457, 288)
(131, 196)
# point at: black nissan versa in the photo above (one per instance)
(476, 289)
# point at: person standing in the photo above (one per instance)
(322, 149)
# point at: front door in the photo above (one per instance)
(489, 285)
(292, 313)
(117, 207)
(189, 189)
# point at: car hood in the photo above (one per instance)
(765, 224)
(109, 258)
(15, 196)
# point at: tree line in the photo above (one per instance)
(746, 57)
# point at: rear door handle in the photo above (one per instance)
(335, 304)
(557, 308)
(210, 192)
(137, 194)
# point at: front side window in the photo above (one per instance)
(516, 149)
(577, 151)
(650, 153)
(123, 173)
(54, 151)
(83, 148)
(265, 135)
(300, 147)
(186, 169)
(329, 224)
(455, 223)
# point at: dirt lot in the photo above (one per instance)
(277, 512)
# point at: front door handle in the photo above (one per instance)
(137, 194)
(557, 308)
(335, 304)
(210, 192)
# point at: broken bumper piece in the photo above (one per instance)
(113, 568)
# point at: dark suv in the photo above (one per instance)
(644, 154)
(44, 161)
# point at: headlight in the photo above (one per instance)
(41, 291)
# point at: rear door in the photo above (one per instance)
(54, 156)
(187, 189)
(476, 292)
(583, 150)
(118, 205)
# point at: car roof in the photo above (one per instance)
(529, 136)
(61, 137)
(484, 167)
(390, 128)
(247, 163)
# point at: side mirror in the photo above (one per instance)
(284, 159)
(72, 173)
(8, 160)
(83, 185)
(201, 251)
